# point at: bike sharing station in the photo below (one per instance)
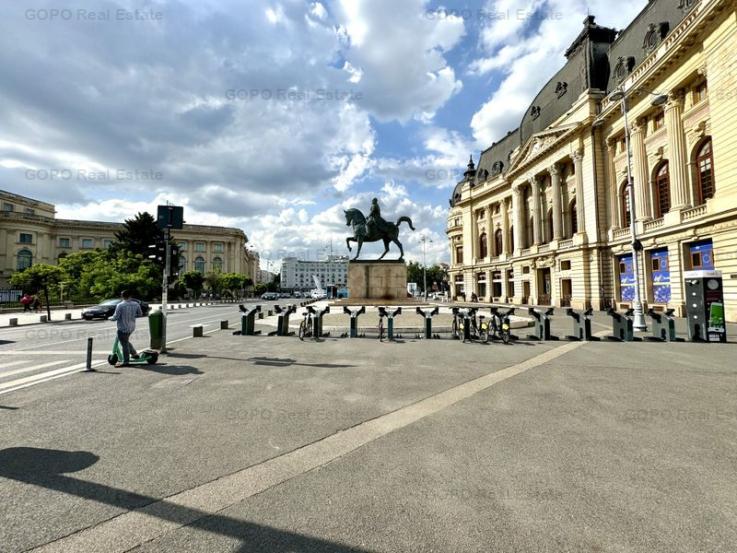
(377, 291)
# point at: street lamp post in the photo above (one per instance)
(639, 320)
(424, 240)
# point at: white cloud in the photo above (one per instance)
(525, 41)
(399, 51)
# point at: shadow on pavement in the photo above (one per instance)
(47, 467)
(278, 362)
(172, 370)
(8, 408)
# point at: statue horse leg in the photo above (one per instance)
(401, 249)
(360, 243)
(386, 248)
(348, 242)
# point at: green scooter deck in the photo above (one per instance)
(146, 357)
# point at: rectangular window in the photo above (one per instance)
(699, 93)
(65, 243)
(459, 255)
(565, 265)
(626, 278)
(218, 247)
(659, 121)
(25, 238)
(182, 246)
(88, 243)
(199, 247)
(660, 275)
(702, 255)
(29, 211)
(107, 243)
(7, 207)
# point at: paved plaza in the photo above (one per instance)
(240, 443)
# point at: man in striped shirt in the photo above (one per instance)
(125, 315)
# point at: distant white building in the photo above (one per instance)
(298, 275)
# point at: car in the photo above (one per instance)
(269, 296)
(298, 294)
(106, 309)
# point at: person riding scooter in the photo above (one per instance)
(125, 316)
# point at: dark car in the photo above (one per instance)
(107, 308)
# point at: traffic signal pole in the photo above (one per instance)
(165, 288)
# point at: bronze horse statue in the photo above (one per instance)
(362, 232)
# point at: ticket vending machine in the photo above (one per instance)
(705, 306)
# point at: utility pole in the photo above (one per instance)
(424, 240)
(165, 286)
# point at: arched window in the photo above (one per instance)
(624, 204)
(25, 259)
(182, 262)
(217, 264)
(199, 264)
(704, 172)
(498, 242)
(662, 190)
(483, 246)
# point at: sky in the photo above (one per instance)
(272, 115)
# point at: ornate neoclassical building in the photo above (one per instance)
(30, 233)
(545, 217)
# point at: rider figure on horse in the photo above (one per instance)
(374, 222)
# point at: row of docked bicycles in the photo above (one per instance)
(469, 325)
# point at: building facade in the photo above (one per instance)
(298, 275)
(30, 233)
(545, 217)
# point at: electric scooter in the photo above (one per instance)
(146, 357)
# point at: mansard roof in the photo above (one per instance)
(642, 35)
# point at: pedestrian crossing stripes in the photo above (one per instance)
(28, 372)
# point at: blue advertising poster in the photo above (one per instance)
(660, 275)
(702, 255)
(626, 278)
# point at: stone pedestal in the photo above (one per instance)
(377, 280)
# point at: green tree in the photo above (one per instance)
(39, 278)
(139, 234)
(232, 283)
(193, 280)
(107, 276)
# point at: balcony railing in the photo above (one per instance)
(543, 248)
(693, 213)
(652, 224)
(619, 233)
(563, 244)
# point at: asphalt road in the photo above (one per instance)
(274, 445)
(34, 354)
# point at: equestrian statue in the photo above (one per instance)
(373, 229)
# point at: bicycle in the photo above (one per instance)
(500, 328)
(305, 326)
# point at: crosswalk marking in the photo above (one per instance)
(32, 368)
(28, 380)
(5, 365)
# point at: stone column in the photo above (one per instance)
(519, 215)
(554, 171)
(536, 221)
(640, 171)
(677, 162)
(505, 227)
(580, 212)
(613, 185)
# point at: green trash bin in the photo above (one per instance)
(156, 329)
